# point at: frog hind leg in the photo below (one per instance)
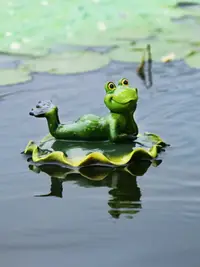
(83, 129)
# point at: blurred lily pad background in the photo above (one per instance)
(61, 37)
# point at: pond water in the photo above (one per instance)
(123, 219)
(149, 220)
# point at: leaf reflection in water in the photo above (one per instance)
(124, 193)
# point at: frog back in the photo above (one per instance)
(89, 117)
(93, 126)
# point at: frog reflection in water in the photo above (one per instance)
(118, 126)
(124, 191)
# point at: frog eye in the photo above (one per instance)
(124, 82)
(110, 86)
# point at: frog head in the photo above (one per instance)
(121, 98)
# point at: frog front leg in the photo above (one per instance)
(117, 136)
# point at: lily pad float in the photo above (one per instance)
(19, 49)
(184, 33)
(69, 62)
(161, 48)
(126, 54)
(79, 154)
(95, 38)
(108, 26)
(109, 36)
(13, 76)
(64, 21)
(21, 46)
(193, 60)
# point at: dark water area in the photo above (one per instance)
(124, 219)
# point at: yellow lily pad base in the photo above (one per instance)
(79, 154)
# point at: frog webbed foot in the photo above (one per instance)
(42, 108)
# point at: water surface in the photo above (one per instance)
(149, 220)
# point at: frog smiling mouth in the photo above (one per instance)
(123, 103)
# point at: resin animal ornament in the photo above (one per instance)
(97, 136)
(118, 126)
